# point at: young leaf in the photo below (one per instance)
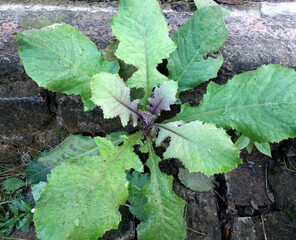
(196, 181)
(264, 148)
(82, 198)
(250, 147)
(163, 97)
(143, 34)
(264, 115)
(201, 147)
(242, 142)
(62, 59)
(204, 33)
(110, 93)
(72, 148)
(13, 184)
(163, 212)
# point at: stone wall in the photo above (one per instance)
(33, 119)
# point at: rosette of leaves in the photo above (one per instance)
(88, 175)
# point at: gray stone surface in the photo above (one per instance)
(247, 182)
(22, 115)
(202, 214)
(243, 228)
(283, 184)
(277, 226)
(257, 37)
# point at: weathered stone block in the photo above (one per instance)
(277, 226)
(243, 228)
(283, 184)
(247, 182)
(202, 215)
(21, 115)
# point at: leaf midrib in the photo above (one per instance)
(196, 53)
(146, 59)
(108, 166)
(156, 182)
(201, 146)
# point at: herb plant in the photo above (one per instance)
(88, 181)
(15, 208)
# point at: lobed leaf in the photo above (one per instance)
(143, 34)
(62, 59)
(201, 147)
(82, 198)
(72, 148)
(110, 93)
(163, 97)
(163, 212)
(204, 33)
(260, 104)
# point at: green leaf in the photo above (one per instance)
(110, 93)
(210, 3)
(136, 198)
(242, 142)
(204, 33)
(196, 181)
(201, 147)
(25, 223)
(13, 184)
(20, 205)
(265, 115)
(62, 59)
(72, 148)
(37, 172)
(143, 34)
(82, 198)
(163, 212)
(264, 148)
(37, 190)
